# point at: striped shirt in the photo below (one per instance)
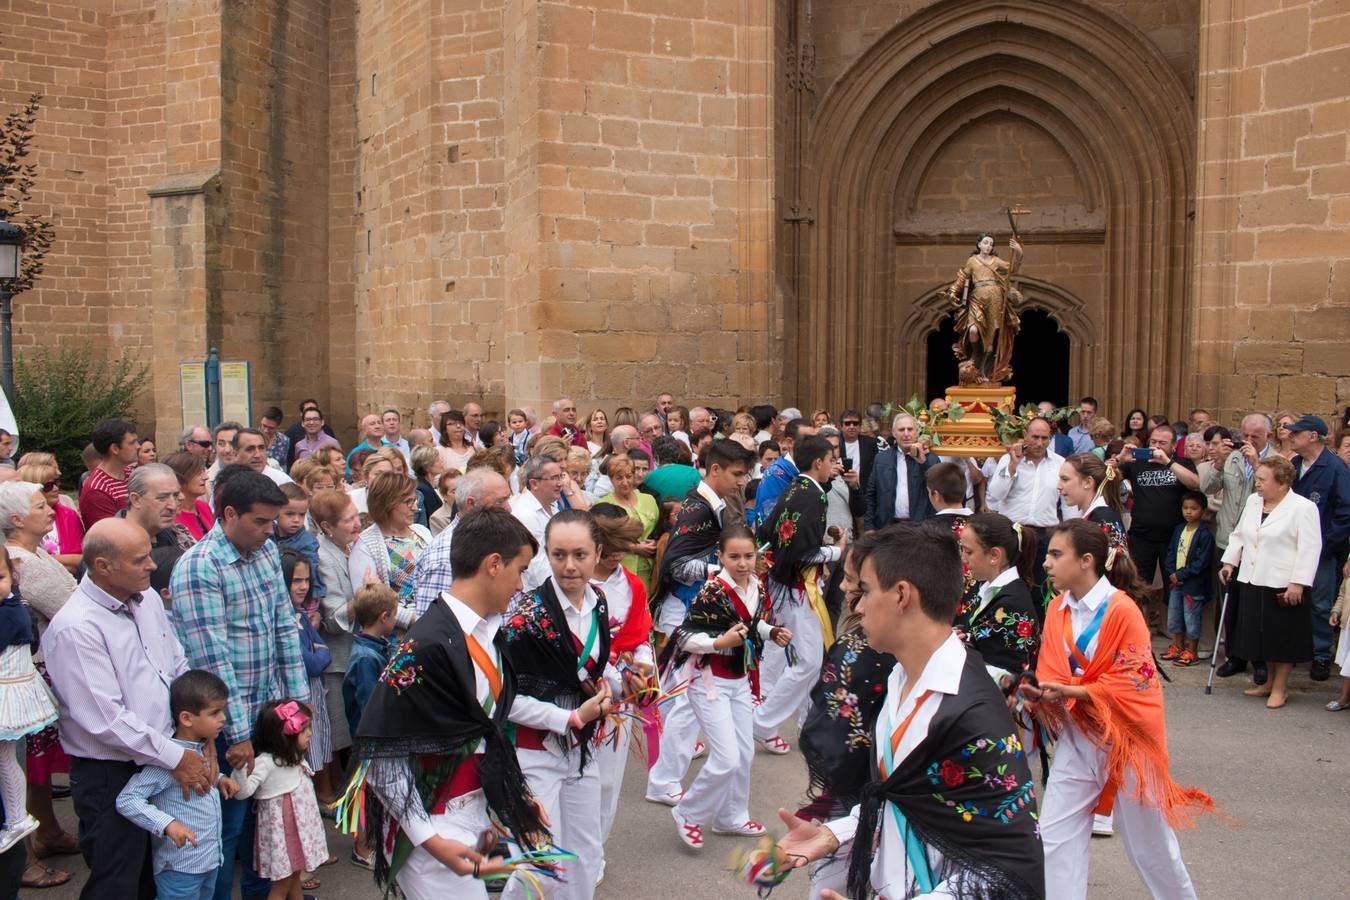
(153, 800)
(235, 619)
(102, 496)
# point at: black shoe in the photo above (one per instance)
(1258, 673)
(1320, 670)
(1231, 667)
(60, 791)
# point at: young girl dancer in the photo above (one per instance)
(999, 619)
(630, 647)
(724, 632)
(290, 836)
(558, 642)
(1099, 688)
(26, 705)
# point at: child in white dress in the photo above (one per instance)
(290, 838)
(26, 705)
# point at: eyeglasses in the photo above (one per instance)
(848, 422)
(409, 501)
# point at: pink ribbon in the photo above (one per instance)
(293, 719)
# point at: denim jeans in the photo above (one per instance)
(236, 837)
(1185, 613)
(1324, 587)
(185, 885)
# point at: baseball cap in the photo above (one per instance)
(1309, 423)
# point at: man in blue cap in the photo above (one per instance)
(1323, 478)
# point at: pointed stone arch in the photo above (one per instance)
(1104, 93)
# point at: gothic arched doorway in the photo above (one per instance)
(1040, 359)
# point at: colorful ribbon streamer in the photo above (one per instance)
(763, 867)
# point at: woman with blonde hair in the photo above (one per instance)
(67, 535)
(597, 431)
(1283, 439)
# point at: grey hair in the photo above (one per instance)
(14, 499)
(186, 436)
(473, 484)
(620, 434)
(225, 426)
(533, 470)
(827, 431)
(557, 404)
(431, 408)
(903, 415)
(141, 476)
(1260, 418)
(423, 458)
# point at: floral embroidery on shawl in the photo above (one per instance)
(841, 703)
(528, 616)
(1138, 665)
(402, 672)
(953, 773)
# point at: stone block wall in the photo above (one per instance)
(1273, 206)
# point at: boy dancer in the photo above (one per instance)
(946, 827)
(691, 558)
(794, 530)
(440, 767)
(1099, 689)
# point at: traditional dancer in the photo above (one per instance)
(795, 534)
(689, 561)
(1099, 689)
(946, 827)
(440, 769)
(724, 634)
(999, 620)
(558, 640)
(630, 646)
(836, 739)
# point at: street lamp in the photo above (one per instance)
(11, 239)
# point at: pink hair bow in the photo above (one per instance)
(293, 718)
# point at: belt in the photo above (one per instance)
(727, 666)
(530, 738)
(465, 781)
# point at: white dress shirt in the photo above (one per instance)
(619, 599)
(1031, 494)
(1082, 612)
(941, 675)
(534, 516)
(901, 485)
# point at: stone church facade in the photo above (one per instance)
(386, 201)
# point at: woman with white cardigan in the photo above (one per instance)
(387, 551)
(1277, 542)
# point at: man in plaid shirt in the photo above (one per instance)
(234, 618)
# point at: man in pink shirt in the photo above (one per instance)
(105, 490)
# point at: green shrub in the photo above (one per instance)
(60, 396)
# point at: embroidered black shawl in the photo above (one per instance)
(1006, 632)
(967, 793)
(693, 538)
(545, 658)
(712, 612)
(836, 740)
(795, 530)
(425, 711)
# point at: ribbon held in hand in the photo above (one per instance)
(293, 718)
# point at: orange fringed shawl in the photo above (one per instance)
(1125, 717)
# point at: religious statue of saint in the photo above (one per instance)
(986, 317)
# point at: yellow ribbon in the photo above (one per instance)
(817, 601)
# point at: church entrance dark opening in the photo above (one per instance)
(1040, 359)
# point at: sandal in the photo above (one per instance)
(1185, 658)
(330, 861)
(310, 884)
(65, 845)
(46, 876)
(1170, 653)
(1337, 706)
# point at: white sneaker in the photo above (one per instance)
(775, 745)
(12, 834)
(671, 799)
(748, 828)
(691, 834)
(1102, 826)
(700, 750)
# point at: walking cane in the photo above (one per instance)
(1218, 642)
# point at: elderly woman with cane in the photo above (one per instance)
(1276, 543)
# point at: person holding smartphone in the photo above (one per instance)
(1159, 481)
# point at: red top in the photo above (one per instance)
(102, 497)
(198, 520)
(577, 439)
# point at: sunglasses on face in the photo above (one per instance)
(50, 486)
(849, 422)
(205, 445)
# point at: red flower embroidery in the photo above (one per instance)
(952, 775)
(517, 621)
(786, 529)
(1024, 628)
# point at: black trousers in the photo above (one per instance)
(12, 864)
(116, 851)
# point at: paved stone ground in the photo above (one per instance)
(1279, 776)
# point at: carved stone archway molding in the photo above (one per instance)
(1090, 79)
(1069, 312)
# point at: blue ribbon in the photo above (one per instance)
(1085, 639)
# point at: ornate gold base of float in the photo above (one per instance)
(975, 435)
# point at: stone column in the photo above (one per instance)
(1272, 281)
